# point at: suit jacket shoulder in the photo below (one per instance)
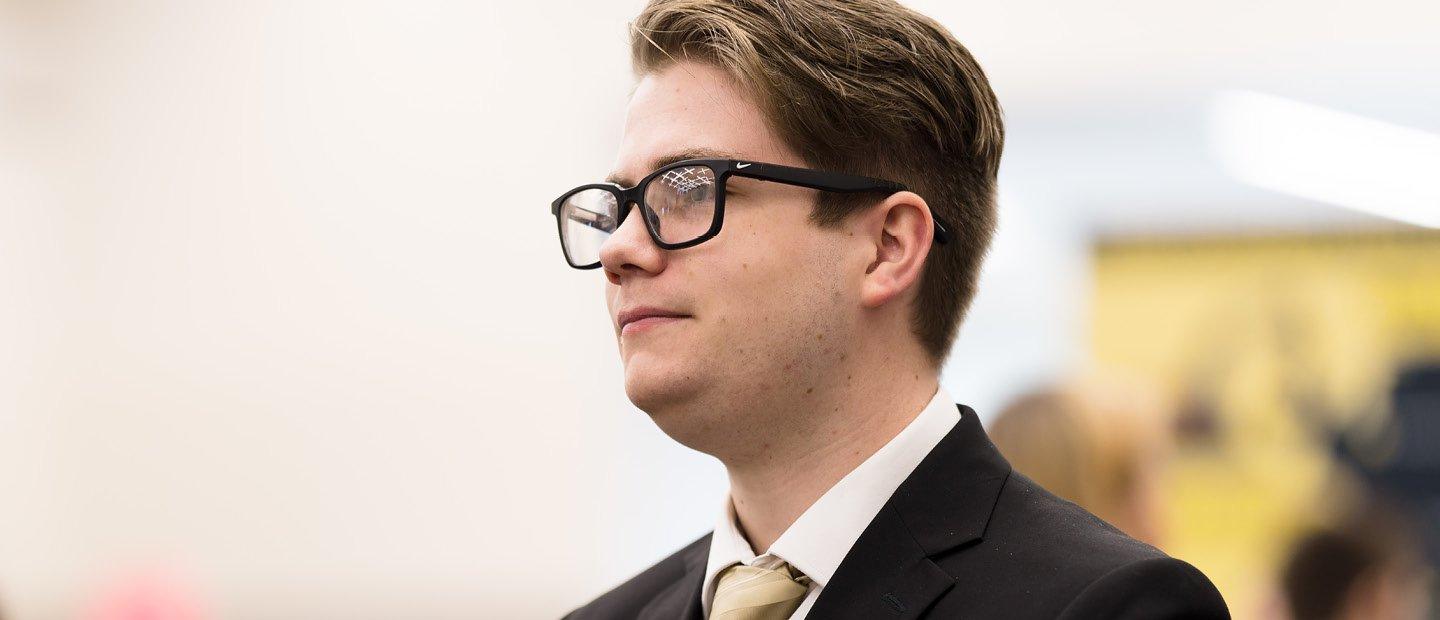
(629, 599)
(965, 536)
(1044, 557)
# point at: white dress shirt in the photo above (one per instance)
(817, 541)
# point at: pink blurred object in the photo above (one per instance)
(145, 596)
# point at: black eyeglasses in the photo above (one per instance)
(683, 203)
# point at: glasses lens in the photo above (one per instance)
(680, 203)
(587, 218)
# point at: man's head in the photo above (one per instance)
(800, 283)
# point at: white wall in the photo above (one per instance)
(286, 324)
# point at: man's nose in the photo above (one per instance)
(629, 250)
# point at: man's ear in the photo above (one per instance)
(901, 231)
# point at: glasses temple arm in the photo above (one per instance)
(598, 221)
(830, 182)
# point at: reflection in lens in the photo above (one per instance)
(681, 203)
(587, 219)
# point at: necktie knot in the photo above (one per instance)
(754, 593)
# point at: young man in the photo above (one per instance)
(791, 234)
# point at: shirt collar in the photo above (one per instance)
(820, 538)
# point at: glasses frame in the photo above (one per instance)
(724, 169)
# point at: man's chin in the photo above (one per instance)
(676, 415)
(658, 393)
(655, 397)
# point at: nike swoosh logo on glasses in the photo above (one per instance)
(742, 165)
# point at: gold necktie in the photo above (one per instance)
(750, 593)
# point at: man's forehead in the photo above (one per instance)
(656, 162)
(690, 111)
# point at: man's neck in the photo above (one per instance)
(770, 492)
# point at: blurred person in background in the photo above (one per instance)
(790, 236)
(1366, 567)
(1102, 445)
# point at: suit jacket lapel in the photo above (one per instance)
(944, 504)
(682, 598)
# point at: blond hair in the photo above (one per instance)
(1093, 443)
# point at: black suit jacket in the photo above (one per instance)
(963, 537)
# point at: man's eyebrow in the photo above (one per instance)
(698, 152)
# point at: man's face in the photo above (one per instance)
(769, 304)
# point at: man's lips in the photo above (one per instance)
(636, 320)
(640, 325)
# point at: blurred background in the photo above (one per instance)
(285, 330)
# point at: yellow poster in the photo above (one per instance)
(1271, 350)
